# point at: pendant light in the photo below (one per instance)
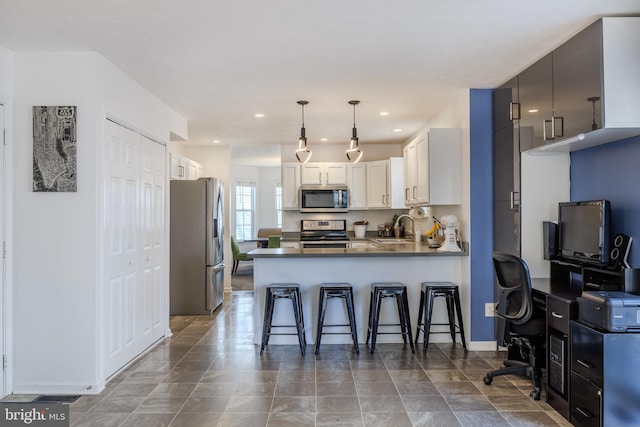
(303, 154)
(354, 153)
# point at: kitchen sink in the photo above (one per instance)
(393, 241)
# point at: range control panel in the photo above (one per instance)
(323, 225)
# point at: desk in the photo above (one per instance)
(260, 243)
(559, 301)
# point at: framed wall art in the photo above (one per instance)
(54, 149)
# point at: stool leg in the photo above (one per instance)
(456, 296)
(266, 323)
(322, 306)
(407, 318)
(376, 320)
(427, 319)
(403, 318)
(420, 315)
(304, 334)
(451, 316)
(370, 325)
(352, 320)
(297, 313)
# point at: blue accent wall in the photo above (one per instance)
(481, 239)
(612, 171)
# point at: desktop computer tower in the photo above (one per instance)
(557, 360)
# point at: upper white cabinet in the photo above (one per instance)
(290, 185)
(357, 183)
(323, 173)
(385, 183)
(432, 168)
(182, 168)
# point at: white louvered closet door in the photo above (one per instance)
(134, 245)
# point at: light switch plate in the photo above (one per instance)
(489, 309)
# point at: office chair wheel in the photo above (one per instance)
(535, 394)
(488, 379)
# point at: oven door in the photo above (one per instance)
(340, 244)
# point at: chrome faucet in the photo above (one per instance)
(395, 226)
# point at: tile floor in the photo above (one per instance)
(211, 374)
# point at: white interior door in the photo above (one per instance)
(3, 140)
(121, 239)
(153, 237)
(135, 236)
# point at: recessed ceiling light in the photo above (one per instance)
(259, 115)
(397, 130)
(533, 111)
(216, 141)
(384, 113)
(323, 139)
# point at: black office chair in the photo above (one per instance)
(517, 325)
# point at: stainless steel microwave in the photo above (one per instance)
(324, 198)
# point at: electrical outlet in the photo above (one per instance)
(489, 309)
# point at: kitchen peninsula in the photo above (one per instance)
(408, 263)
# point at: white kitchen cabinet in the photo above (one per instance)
(357, 183)
(176, 167)
(385, 183)
(183, 168)
(377, 190)
(320, 173)
(290, 185)
(432, 169)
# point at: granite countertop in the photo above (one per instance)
(387, 249)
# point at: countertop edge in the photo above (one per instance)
(396, 251)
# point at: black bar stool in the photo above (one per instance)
(396, 290)
(336, 290)
(277, 291)
(428, 292)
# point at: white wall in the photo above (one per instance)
(55, 233)
(265, 179)
(58, 242)
(541, 193)
(267, 196)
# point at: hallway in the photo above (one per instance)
(210, 374)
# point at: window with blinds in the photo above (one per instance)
(245, 209)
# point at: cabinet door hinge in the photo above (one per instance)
(4, 137)
(4, 250)
(4, 362)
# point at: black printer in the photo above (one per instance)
(611, 311)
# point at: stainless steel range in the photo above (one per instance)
(327, 233)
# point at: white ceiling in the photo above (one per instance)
(218, 63)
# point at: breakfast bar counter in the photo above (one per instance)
(407, 263)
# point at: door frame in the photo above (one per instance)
(4, 141)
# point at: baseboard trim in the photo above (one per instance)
(483, 346)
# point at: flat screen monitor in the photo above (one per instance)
(583, 230)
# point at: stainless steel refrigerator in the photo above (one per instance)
(196, 249)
